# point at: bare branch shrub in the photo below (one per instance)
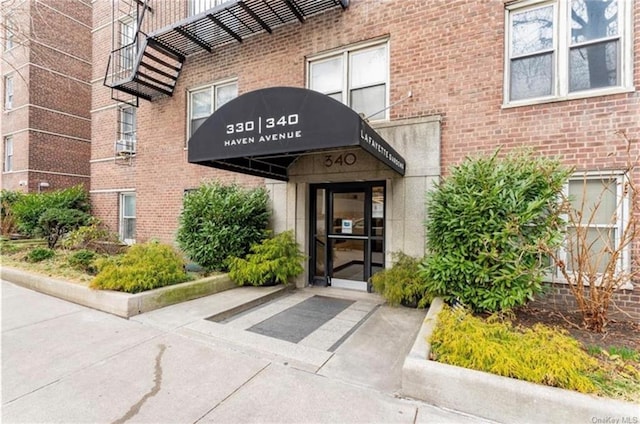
(595, 263)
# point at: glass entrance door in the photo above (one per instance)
(348, 233)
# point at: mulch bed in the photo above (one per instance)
(617, 333)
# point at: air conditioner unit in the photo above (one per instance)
(125, 147)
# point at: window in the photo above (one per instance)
(204, 101)
(9, 35)
(8, 154)
(199, 6)
(126, 129)
(128, 49)
(358, 78)
(8, 92)
(604, 210)
(566, 48)
(128, 218)
(203, 29)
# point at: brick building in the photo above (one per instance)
(424, 84)
(46, 70)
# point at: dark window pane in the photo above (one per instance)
(593, 66)
(195, 124)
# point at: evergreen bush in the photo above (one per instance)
(40, 254)
(83, 260)
(7, 219)
(274, 261)
(401, 284)
(143, 267)
(487, 222)
(222, 221)
(28, 208)
(56, 222)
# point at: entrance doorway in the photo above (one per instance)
(347, 240)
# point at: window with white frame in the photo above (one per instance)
(204, 101)
(9, 35)
(128, 218)
(202, 29)
(567, 48)
(8, 154)
(199, 6)
(603, 209)
(8, 92)
(126, 129)
(128, 49)
(357, 77)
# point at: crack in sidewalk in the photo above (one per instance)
(157, 380)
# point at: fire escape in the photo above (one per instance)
(147, 62)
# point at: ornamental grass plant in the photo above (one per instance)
(540, 354)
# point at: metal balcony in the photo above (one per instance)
(149, 68)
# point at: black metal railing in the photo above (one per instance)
(150, 65)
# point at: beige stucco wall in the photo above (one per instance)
(417, 140)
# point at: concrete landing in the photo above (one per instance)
(366, 342)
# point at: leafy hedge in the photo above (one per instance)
(56, 222)
(274, 261)
(222, 221)
(28, 208)
(401, 283)
(486, 224)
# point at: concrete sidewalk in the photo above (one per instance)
(64, 363)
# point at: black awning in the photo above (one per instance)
(263, 132)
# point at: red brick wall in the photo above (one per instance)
(52, 83)
(450, 54)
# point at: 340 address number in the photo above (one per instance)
(347, 159)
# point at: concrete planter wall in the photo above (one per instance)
(500, 398)
(118, 303)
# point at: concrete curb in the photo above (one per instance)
(499, 398)
(118, 303)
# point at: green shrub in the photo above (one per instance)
(144, 267)
(7, 218)
(56, 222)
(28, 208)
(40, 254)
(83, 260)
(274, 261)
(541, 354)
(401, 283)
(218, 222)
(486, 224)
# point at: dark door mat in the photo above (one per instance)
(297, 322)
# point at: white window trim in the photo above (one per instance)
(9, 34)
(9, 95)
(345, 52)
(120, 141)
(561, 43)
(212, 86)
(203, 5)
(8, 164)
(122, 217)
(623, 211)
